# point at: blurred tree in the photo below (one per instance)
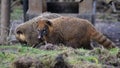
(5, 20)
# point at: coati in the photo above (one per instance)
(26, 33)
(71, 31)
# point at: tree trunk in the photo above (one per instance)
(5, 20)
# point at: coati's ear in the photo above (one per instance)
(48, 22)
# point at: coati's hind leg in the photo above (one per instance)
(76, 44)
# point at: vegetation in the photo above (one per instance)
(77, 58)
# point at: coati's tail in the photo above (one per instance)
(101, 39)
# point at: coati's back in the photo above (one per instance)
(70, 27)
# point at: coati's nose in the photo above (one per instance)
(39, 36)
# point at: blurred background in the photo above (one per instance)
(103, 14)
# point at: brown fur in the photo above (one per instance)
(73, 32)
(26, 33)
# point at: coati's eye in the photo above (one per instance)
(42, 32)
(44, 29)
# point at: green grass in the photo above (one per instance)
(76, 57)
(9, 53)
